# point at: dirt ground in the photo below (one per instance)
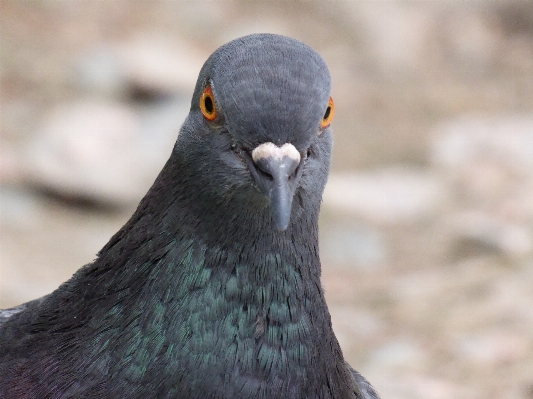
(420, 310)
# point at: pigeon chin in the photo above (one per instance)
(276, 171)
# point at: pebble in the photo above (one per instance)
(506, 141)
(488, 164)
(10, 168)
(19, 209)
(100, 71)
(353, 245)
(398, 354)
(416, 386)
(156, 63)
(489, 348)
(485, 233)
(353, 324)
(147, 63)
(99, 151)
(388, 195)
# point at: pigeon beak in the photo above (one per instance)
(276, 174)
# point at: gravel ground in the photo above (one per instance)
(426, 244)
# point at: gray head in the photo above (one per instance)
(259, 119)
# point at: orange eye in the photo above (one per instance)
(207, 104)
(328, 115)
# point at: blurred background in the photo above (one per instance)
(427, 221)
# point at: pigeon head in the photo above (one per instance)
(258, 135)
(212, 288)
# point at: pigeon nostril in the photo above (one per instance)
(266, 174)
(294, 174)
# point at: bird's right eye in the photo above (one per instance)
(207, 104)
(329, 114)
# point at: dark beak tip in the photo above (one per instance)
(282, 225)
(281, 208)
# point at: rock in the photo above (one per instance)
(154, 63)
(504, 141)
(416, 386)
(399, 354)
(10, 164)
(493, 347)
(470, 41)
(488, 164)
(397, 35)
(478, 233)
(159, 124)
(102, 151)
(352, 245)
(389, 195)
(87, 150)
(100, 71)
(247, 25)
(352, 325)
(19, 209)
(426, 38)
(146, 65)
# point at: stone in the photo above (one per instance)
(352, 245)
(388, 195)
(97, 151)
(479, 233)
(398, 354)
(99, 70)
(488, 164)
(505, 140)
(494, 347)
(155, 63)
(18, 208)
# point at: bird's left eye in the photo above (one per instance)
(328, 115)
(207, 104)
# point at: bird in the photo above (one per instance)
(212, 289)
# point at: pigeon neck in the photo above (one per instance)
(250, 315)
(235, 300)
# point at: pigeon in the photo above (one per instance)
(212, 289)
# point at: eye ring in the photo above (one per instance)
(329, 114)
(207, 104)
